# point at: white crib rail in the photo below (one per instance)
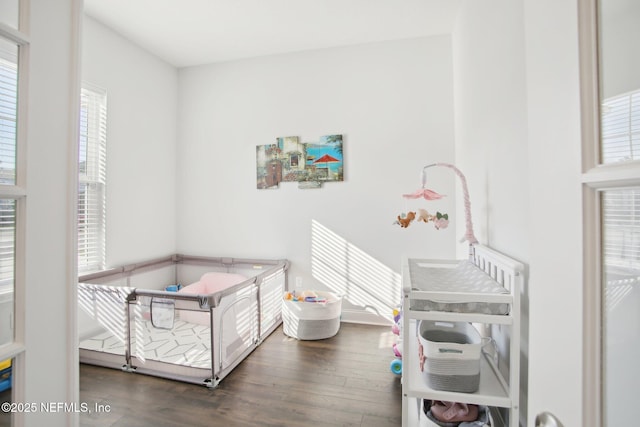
(502, 269)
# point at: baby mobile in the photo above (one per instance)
(439, 220)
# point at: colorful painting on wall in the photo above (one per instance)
(310, 164)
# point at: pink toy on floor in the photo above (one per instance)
(397, 350)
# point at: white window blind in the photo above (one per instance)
(621, 217)
(92, 180)
(8, 126)
(8, 115)
(621, 208)
(621, 128)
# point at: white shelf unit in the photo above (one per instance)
(494, 391)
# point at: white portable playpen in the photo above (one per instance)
(140, 317)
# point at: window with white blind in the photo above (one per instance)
(92, 180)
(8, 135)
(621, 128)
(620, 252)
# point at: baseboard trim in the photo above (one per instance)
(363, 316)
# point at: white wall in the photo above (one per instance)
(491, 136)
(50, 371)
(491, 143)
(393, 104)
(518, 139)
(555, 291)
(142, 101)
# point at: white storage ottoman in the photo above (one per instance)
(312, 320)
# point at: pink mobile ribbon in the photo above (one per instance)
(424, 192)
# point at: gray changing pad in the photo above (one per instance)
(463, 277)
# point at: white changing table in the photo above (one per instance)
(478, 290)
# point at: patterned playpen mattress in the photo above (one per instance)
(186, 344)
(460, 282)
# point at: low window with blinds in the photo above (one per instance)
(621, 217)
(7, 244)
(92, 180)
(7, 270)
(621, 128)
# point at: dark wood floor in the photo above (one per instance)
(340, 381)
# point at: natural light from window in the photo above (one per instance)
(349, 271)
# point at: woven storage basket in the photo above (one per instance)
(452, 351)
(312, 320)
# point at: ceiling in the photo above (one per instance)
(193, 32)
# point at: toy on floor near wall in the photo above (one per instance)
(439, 220)
(304, 296)
(396, 329)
